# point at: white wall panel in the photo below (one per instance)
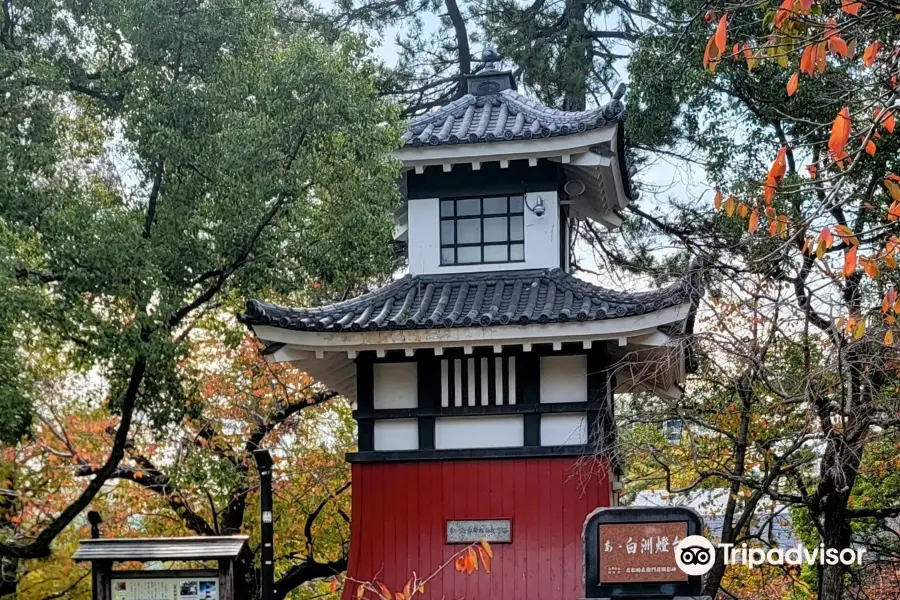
(541, 238)
(563, 430)
(396, 385)
(397, 434)
(479, 432)
(563, 379)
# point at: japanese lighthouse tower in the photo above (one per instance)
(483, 380)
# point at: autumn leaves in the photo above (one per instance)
(464, 561)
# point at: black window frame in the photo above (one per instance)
(481, 216)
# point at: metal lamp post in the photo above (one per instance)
(267, 529)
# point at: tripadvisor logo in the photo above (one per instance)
(695, 555)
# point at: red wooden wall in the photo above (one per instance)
(400, 512)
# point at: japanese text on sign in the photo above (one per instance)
(467, 532)
(640, 552)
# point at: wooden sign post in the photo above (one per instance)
(231, 556)
(630, 552)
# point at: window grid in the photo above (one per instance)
(449, 214)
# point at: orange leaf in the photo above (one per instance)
(717, 202)
(722, 33)
(840, 133)
(792, 84)
(742, 210)
(805, 6)
(859, 330)
(485, 559)
(773, 228)
(885, 118)
(826, 237)
(710, 55)
(471, 561)
(333, 586)
(893, 189)
(850, 262)
(888, 338)
(870, 268)
(870, 53)
(754, 221)
(460, 563)
(729, 207)
(487, 547)
(838, 46)
(870, 148)
(385, 592)
(808, 60)
(850, 7)
(361, 591)
(784, 12)
(820, 57)
(888, 301)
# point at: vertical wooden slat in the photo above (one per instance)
(597, 395)
(446, 383)
(528, 379)
(429, 387)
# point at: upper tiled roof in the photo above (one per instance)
(506, 115)
(467, 299)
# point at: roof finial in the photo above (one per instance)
(490, 56)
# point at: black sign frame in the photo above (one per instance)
(635, 515)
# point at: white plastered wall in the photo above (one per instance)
(563, 379)
(505, 431)
(396, 385)
(397, 434)
(563, 430)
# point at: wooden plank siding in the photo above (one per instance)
(400, 512)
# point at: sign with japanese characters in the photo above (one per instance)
(174, 588)
(496, 531)
(639, 551)
(629, 552)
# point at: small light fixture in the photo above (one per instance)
(538, 209)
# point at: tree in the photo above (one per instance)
(167, 158)
(198, 477)
(805, 167)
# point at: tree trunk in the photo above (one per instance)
(837, 535)
(576, 59)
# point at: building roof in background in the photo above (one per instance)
(534, 296)
(772, 524)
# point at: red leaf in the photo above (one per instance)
(850, 262)
(850, 7)
(792, 84)
(784, 12)
(754, 221)
(870, 148)
(870, 53)
(722, 33)
(840, 133)
(808, 60)
(837, 45)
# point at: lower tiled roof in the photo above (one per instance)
(472, 299)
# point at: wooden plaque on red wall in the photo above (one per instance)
(639, 551)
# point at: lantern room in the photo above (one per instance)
(483, 379)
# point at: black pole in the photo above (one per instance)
(267, 529)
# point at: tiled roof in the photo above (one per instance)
(151, 549)
(473, 299)
(506, 115)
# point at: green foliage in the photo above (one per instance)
(164, 157)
